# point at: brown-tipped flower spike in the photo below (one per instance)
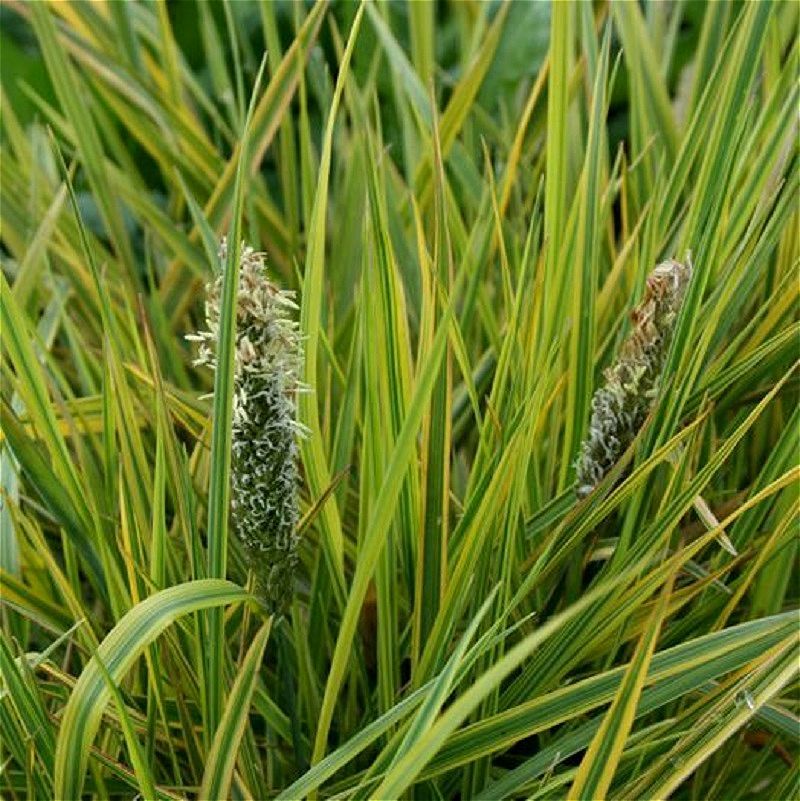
(264, 477)
(620, 407)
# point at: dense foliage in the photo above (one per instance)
(467, 199)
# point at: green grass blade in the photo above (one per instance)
(406, 769)
(219, 484)
(600, 762)
(316, 465)
(119, 650)
(66, 84)
(585, 275)
(676, 671)
(225, 745)
(375, 534)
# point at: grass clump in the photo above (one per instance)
(466, 200)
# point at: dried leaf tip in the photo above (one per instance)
(621, 405)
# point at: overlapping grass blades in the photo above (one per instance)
(465, 261)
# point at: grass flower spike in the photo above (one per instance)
(265, 429)
(620, 407)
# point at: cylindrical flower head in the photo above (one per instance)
(620, 407)
(264, 477)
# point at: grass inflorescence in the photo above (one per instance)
(621, 405)
(264, 429)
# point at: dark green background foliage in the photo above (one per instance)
(467, 198)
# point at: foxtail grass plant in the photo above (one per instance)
(456, 525)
